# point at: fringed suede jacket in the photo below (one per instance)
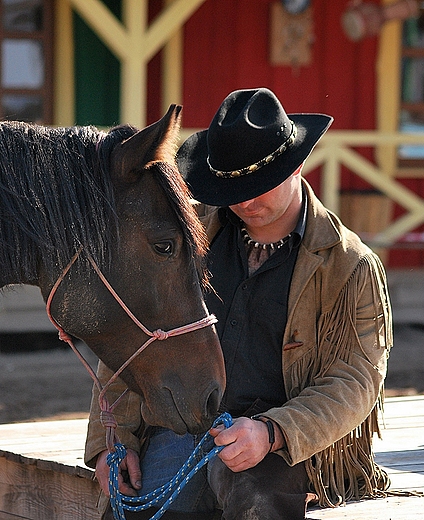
(335, 350)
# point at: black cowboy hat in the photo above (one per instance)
(250, 147)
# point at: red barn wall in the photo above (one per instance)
(226, 47)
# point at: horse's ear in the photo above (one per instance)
(157, 142)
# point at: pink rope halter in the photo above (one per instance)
(106, 415)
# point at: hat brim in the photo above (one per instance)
(210, 189)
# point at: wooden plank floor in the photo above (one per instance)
(59, 445)
(401, 452)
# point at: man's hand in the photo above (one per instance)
(131, 464)
(246, 441)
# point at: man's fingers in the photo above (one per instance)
(217, 430)
(131, 464)
(102, 472)
(133, 468)
(125, 488)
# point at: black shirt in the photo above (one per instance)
(252, 314)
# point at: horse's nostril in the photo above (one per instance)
(212, 403)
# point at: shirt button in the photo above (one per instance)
(244, 287)
(233, 322)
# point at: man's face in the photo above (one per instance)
(279, 203)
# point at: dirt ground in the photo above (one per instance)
(52, 384)
(44, 384)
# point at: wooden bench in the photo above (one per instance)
(43, 477)
(42, 473)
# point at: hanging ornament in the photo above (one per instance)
(295, 6)
(291, 33)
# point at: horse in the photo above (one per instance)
(76, 202)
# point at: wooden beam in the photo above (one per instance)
(167, 23)
(394, 190)
(135, 43)
(64, 83)
(105, 25)
(388, 90)
(172, 76)
(30, 491)
(331, 179)
(133, 66)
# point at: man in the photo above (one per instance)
(304, 321)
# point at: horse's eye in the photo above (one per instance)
(165, 248)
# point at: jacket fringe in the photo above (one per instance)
(347, 470)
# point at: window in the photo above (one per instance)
(26, 41)
(412, 102)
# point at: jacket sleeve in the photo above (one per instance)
(127, 414)
(336, 381)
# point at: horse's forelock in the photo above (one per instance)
(178, 194)
(171, 181)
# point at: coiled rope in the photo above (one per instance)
(171, 490)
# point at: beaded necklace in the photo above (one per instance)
(263, 251)
(273, 246)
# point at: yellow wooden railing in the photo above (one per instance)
(336, 149)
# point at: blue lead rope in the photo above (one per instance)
(172, 489)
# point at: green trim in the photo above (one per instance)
(97, 75)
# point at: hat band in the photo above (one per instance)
(253, 167)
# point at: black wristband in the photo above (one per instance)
(269, 425)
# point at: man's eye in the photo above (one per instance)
(165, 248)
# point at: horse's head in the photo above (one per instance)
(157, 271)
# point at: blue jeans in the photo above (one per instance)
(165, 455)
(272, 489)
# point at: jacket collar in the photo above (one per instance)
(321, 231)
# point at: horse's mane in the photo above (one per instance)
(53, 198)
(56, 196)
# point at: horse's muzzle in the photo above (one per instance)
(191, 412)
